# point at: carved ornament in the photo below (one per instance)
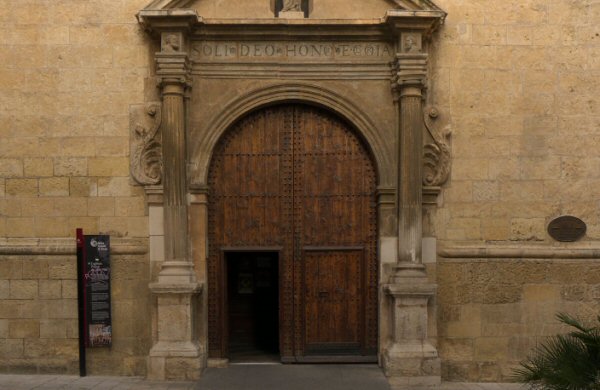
(437, 153)
(146, 155)
(171, 43)
(412, 43)
(291, 5)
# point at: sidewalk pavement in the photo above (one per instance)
(240, 377)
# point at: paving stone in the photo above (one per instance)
(241, 377)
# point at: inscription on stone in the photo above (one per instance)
(273, 51)
(566, 228)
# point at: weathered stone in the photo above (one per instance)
(49, 289)
(62, 269)
(55, 186)
(35, 269)
(69, 289)
(4, 289)
(24, 329)
(101, 206)
(83, 186)
(38, 167)
(21, 187)
(53, 329)
(23, 289)
(11, 348)
(3, 329)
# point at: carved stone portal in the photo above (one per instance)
(146, 155)
(366, 47)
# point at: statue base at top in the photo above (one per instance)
(291, 14)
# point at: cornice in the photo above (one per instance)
(168, 4)
(163, 15)
(160, 20)
(411, 5)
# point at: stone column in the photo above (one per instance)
(177, 354)
(410, 359)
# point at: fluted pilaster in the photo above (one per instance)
(177, 353)
(173, 70)
(410, 359)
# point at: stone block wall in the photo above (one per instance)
(38, 312)
(69, 71)
(519, 80)
(493, 312)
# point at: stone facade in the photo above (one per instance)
(514, 82)
(38, 309)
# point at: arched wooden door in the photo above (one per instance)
(295, 179)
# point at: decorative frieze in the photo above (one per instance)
(145, 145)
(248, 51)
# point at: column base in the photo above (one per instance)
(176, 361)
(414, 364)
(177, 355)
(176, 272)
(411, 360)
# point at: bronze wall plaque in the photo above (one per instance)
(566, 228)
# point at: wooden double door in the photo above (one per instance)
(296, 180)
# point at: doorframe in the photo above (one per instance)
(223, 251)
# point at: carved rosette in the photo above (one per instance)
(146, 154)
(437, 150)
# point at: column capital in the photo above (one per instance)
(173, 69)
(410, 74)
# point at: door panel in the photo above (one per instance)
(297, 177)
(333, 301)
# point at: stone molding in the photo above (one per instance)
(176, 288)
(449, 253)
(154, 195)
(294, 71)
(314, 93)
(67, 246)
(386, 196)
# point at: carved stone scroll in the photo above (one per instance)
(146, 155)
(291, 5)
(437, 151)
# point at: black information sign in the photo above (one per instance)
(97, 291)
(567, 228)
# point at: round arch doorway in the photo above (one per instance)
(292, 266)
